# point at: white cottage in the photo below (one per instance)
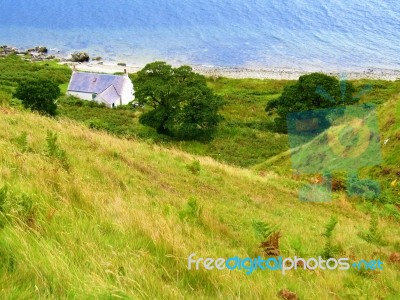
(112, 90)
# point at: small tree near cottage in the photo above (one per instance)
(39, 95)
(183, 106)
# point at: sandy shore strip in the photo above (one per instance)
(281, 74)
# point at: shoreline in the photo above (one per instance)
(41, 53)
(241, 73)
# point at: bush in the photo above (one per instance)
(364, 188)
(192, 211)
(20, 206)
(22, 142)
(95, 124)
(194, 167)
(373, 235)
(55, 151)
(39, 95)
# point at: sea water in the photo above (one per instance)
(300, 34)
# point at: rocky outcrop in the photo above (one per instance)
(80, 57)
(38, 53)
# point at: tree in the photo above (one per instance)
(39, 95)
(182, 104)
(311, 92)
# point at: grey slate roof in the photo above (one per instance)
(95, 83)
(109, 95)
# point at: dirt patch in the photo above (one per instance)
(395, 258)
(287, 295)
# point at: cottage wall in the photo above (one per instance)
(81, 95)
(127, 94)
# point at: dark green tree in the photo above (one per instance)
(182, 104)
(39, 95)
(311, 92)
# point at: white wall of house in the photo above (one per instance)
(81, 95)
(127, 94)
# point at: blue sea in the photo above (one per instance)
(305, 35)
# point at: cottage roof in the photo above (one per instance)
(109, 95)
(95, 83)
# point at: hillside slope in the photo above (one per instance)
(386, 170)
(91, 215)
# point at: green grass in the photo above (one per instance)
(122, 219)
(386, 172)
(114, 213)
(14, 70)
(243, 139)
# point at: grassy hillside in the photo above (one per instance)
(92, 216)
(386, 172)
(243, 139)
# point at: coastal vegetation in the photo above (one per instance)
(39, 95)
(311, 92)
(94, 204)
(183, 106)
(86, 214)
(14, 70)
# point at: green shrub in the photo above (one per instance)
(15, 70)
(55, 151)
(95, 124)
(191, 212)
(194, 167)
(365, 188)
(330, 250)
(22, 142)
(15, 207)
(263, 230)
(373, 235)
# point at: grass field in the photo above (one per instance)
(94, 205)
(94, 215)
(238, 141)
